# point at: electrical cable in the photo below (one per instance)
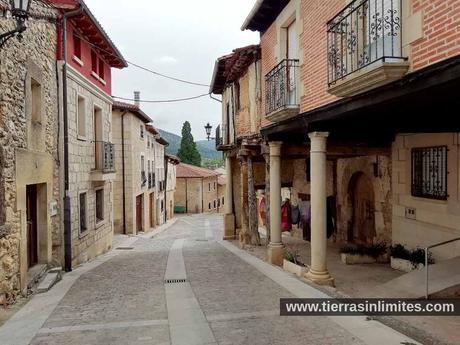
(162, 101)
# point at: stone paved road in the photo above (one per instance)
(228, 298)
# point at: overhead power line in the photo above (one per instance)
(135, 64)
(163, 101)
(146, 69)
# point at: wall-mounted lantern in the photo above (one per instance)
(208, 129)
(20, 12)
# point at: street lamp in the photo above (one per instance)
(208, 129)
(20, 12)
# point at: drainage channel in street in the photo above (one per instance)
(187, 323)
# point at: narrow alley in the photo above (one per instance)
(183, 287)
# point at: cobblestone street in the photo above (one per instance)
(229, 297)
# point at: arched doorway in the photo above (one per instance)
(362, 200)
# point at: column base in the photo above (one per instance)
(320, 278)
(275, 253)
(229, 227)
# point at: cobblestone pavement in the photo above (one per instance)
(225, 300)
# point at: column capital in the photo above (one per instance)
(318, 141)
(315, 135)
(275, 148)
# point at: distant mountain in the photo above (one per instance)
(206, 148)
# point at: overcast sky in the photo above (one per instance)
(182, 38)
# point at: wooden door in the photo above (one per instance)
(363, 210)
(152, 210)
(139, 213)
(32, 226)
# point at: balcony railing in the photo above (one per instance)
(219, 137)
(364, 32)
(281, 86)
(104, 157)
(150, 180)
(143, 178)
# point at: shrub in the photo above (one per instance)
(377, 249)
(416, 256)
(374, 250)
(398, 251)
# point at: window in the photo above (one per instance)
(209, 186)
(222, 200)
(237, 97)
(83, 223)
(162, 205)
(76, 46)
(81, 116)
(142, 131)
(215, 203)
(36, 100)
(99, 205)
(94, 65)
(429, 172)
(209, 206)
(101, 69)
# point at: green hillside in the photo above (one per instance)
(206, 148)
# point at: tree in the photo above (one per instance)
(188, 153)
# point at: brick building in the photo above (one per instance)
(348, 95)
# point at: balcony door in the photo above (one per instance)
(97, 138)
(292, 53)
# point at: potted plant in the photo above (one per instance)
(359, 254)
(292, 264)
(406, 260)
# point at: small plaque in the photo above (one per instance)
(53, 208)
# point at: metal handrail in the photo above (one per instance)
(426, 260)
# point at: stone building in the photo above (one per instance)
(196, 189)
(161, 164)
(134, 184)
(140, 185)
(348, 114)
(172, 162)
(237, 77)
(30, 237)
(87, 56)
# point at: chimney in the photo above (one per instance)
(137, 98)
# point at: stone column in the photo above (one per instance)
(318, 272)
(275, 248)
(243, 234)
(229, 217)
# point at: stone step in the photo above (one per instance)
(51, 278)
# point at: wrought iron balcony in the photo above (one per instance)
(282, 91)
(362, 34)
(143, 178)
(219, 137)
(222, 138)
(104, 157)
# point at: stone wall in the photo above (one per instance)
(347, 169)
(210, 194)
(434, 221)
(36, 138)
(97, 239)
